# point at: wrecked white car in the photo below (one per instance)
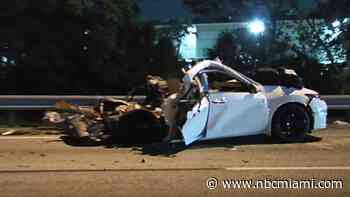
(214, 102)
(218, 102)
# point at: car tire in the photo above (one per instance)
(291, 123)
(139, 127)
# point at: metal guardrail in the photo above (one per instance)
(339, 107)
(337, 102)
(16, 102)
(30, 102)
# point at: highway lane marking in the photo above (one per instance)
(27, 137)
(316, 168)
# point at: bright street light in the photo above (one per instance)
(256, 27)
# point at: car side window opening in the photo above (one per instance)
(221, 82)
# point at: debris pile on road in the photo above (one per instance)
(20, 130)
(9, 132)
(340, 123)
(122, 121)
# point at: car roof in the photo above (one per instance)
(206, 65)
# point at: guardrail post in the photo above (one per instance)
(347, 115)
(11, 118)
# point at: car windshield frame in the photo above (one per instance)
(200, 70)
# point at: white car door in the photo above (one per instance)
(197, 119)
(234, 114)
(233, 104)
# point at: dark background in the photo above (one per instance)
(100, 47)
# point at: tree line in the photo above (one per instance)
(103, 47)
(314, 41)
(78, 47)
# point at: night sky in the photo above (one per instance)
(163, 10)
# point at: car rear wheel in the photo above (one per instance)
(291, 123)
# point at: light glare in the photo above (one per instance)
(336, 23)
(256, 27)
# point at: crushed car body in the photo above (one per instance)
(214, 102)
(122, 121)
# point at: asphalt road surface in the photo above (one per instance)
(37, 166)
